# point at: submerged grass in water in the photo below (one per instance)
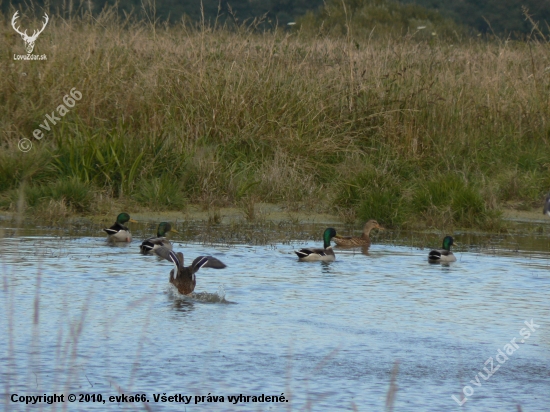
(410, 132)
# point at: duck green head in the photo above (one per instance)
(164, 228)
(447, 242)
(329, 234)
(123, 218)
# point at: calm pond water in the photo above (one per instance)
(82, 317)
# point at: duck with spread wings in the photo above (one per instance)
(183, 278)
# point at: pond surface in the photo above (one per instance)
(80, 316)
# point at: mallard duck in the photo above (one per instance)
(443, 255)
(183, 278)
(326, 254)
(118, 232)
(546, 209)
(148, 245)
(364, 240)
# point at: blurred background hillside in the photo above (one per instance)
(502, 17)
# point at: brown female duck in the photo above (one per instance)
(364, 240)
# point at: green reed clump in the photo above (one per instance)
(375, 193)
(160, 193)
(363, 125)
(77, 194)
(17, 167)
(73, 193)
(450, 198)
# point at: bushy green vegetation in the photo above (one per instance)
(405, 130)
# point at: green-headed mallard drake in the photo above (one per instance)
(325, 254)
(148, 245)
(183, 278)
(443, 255)
(118, 232)
(364, 240)
(546, 209)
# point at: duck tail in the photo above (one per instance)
(434, 255)
(146, 247)
(301, 253)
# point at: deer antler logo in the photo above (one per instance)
(29, 40)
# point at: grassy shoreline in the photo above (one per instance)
(269, 214)
(411, 132)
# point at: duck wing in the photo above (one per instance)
(170, 256)
(149, 244)
(439, 253)
(310, 251)
(207, 262)
(351, 241)
(113, 230)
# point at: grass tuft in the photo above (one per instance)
(66, 195)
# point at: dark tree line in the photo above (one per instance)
(277, 11)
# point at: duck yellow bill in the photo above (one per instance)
(174, 230)
(133, 221)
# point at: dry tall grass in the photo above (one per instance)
(401, 130)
